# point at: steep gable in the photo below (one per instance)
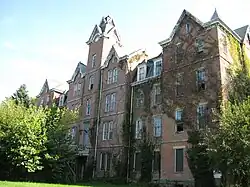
(44, 89)
(179, 25)
(80, 68)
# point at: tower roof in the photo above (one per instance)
(215, 15)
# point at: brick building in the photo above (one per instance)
(196, 57)
(171, 93)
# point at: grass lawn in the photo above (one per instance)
(27, 184)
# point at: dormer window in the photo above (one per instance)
(157, 67)
(141, 72)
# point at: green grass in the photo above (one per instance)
(28, 184)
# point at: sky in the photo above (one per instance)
(42, 39)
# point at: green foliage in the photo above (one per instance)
(199, 160)
(147, 152)
(35, 143)
(21, 96)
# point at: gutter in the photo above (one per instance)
(130, 130)
(97, 123)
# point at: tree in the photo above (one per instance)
(22, 136)
(21, 96)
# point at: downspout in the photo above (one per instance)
(97, 123)
(130, 128)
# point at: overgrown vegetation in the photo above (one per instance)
(35, 143)
(226, 148)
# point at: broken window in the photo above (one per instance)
(179, 120)
(200, 79)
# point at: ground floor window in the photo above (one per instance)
(179, 159)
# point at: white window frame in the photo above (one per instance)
(138, 129)
(91, 81)
(155, 67)
(115, 75)
(157, 121)
(61, 99)
(88, 107)
(107, 103)
(144, 67)
(93, 60)
(112, 102)
(175, 148)
(107, 131)
(177, 120)
(110, 76)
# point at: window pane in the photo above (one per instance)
(156, 161)
(179, 157)
(137, 161)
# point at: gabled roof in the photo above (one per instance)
(80, 68)
(53, 85)
(214, 20)
(106, 25)
(177, 25)
(242, 31)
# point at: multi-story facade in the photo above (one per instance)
(196, 57)
(168, 95)
(147, 114)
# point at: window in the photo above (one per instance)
(156, 161)
(107, 131)
(224, 43)
(91, 82)
(61, 100)
(75, 90)
(157, 126)
(105, 161)
(114, 59)
(199, 45)
(179, 84)
(141, 73)
(85, 137)
(93, 61)
(179, 120)
(139, 98)
(110, 72)
(137, 161)
(115, 75)
(79, 86)
(73, 132)
(187, 28)
(201, 115)
(200, 79)
(47, 99)
(157, 94)
(110, 102)
(179, 159)
(113, 102)
(179, 53)
(158, 67)
(138, 129)
(88, 107)
(107, 103)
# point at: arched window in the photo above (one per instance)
(139, 98)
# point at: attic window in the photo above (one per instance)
(141, 74)
(187, 28)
